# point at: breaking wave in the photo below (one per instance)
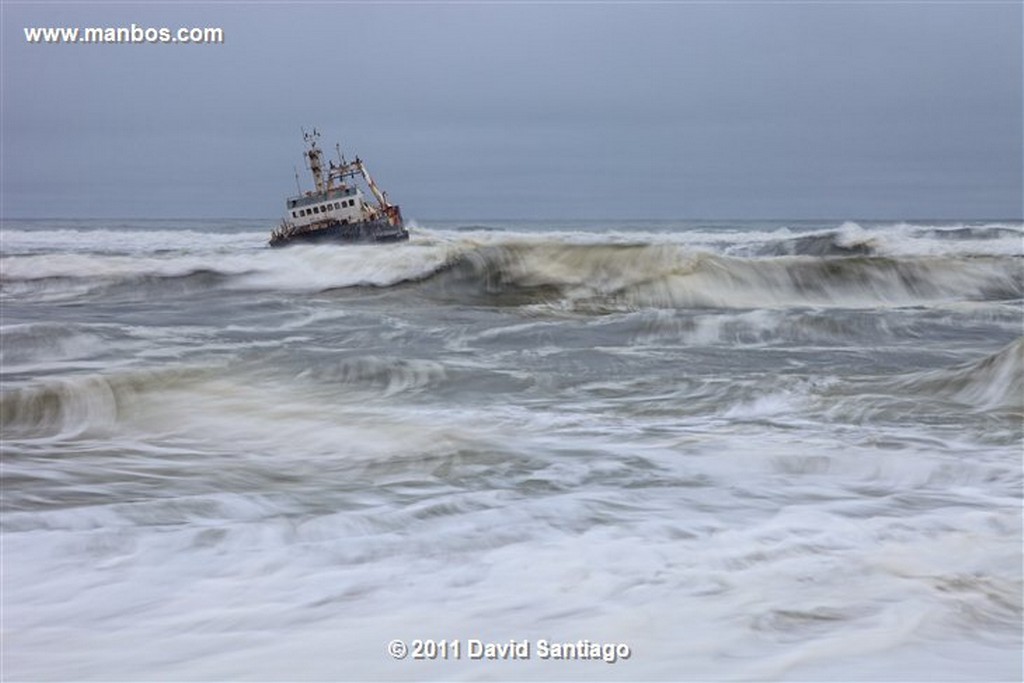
(596, 277)
(852, 239)
(79, 405)
(845, 267)
(994, 382)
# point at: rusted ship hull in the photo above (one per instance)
(366, 232)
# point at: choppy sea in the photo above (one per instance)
(739, 450)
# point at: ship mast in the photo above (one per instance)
(315, 159)
(346, 169)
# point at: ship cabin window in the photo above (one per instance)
(295, 214)
(302, 212)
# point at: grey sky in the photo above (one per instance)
(661, 110)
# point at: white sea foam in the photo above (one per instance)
(741, 459)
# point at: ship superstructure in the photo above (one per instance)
(337, 209)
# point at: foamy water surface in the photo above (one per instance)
(753, 451)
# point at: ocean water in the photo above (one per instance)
(709, 451)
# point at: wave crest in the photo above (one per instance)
(840, 268)
(80, 405)
(994, 382)
(597, 277)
